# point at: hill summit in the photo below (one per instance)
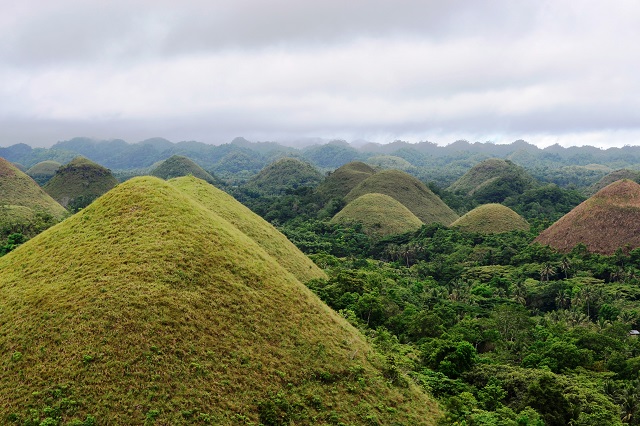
(43, 171)
(147, 306)
(410, 192)
(178, 165)
(342, 180)
(607, 221)
(79, 182)
(612, 177)
(284, 174)
(491, 219)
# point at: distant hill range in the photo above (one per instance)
(149, 307)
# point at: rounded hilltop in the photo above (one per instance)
(178, 165)
(604, 223)
(491, 219)
(342, 180)
(43, 171)
(284, 174)
(613, 177)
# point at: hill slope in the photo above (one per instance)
(379, 214)
(178, 165)
(344, 179)
(79, 182)
(605, 222)
(262, 232)
(612, 177)
(284, 174)
(410, 192)
(147, 307)
(43, 171)
(492, 180)
(491, 219)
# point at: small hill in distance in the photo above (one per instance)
(410, 192)
(43, 171)
(379, 214)
(178, 165)
(390, 162)
(613, 177)
(76, 184)
(284, 174)
(24, 206)
(605, 222)
(491, 219)
(493, 180)
(338, 183)
(148, 305)
(259, 230)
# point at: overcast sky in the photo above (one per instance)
(548, 72)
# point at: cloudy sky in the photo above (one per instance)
(548, 72)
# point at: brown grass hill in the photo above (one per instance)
(178, 165)
(24, 206)
(269, 238)
(147, 307)
(379, 214)
(344, 179)
(493, 180)
(491, 219)
(612, 177)
(43, 171)
(76, 184)
(282, 175)
(607, 221)
(410, 192)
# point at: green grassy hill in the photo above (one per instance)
(284, 174)
(390, 162)
(491, 219)
(79, 182)
(493, 180)
(24, 206)
(344, 179)
(43, 171)
(410, 192)
(179, 165)
(146, 307)
(262, 232)
(379, 214)
(633, 175)
(607, 221)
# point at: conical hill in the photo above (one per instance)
(379, 214)
(179, 165)
(262, 232)
(410, 192)
(43, 171)
(147, 307)
(491, 219)
(344, 179)
(612, 177)
(79, 182)
(607, 221)
(284, 174)
(22, 200)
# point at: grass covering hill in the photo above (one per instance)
(344, 179)
(43, 171)
(410, 192)
(607, 221)
(390, 162)
(491, 219)
(178, 165)
(284, 174)
(146, 307)
(493, 180)
(613, 177)
(76, 184)
(269, 238)
(24, 206)
(379, 214)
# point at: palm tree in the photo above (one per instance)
(546, 271)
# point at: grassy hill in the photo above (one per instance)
(43, 171)
(379, 214)
(24, 206)
(612, 177)
(390, 162)
(608, 220)
(491, 219)
(179, 165)
(262, 232)
(146, 307)
(284, 174)
(409, 191)
(493, 180)
(79, 182)
(344, 179)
